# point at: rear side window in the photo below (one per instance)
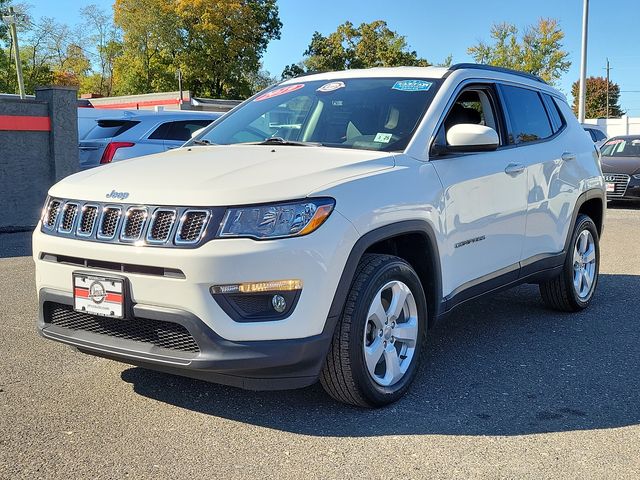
(592, 133)
(180, 131)
(557, 120)
(110, 128)
(598, 134)
(527, 115)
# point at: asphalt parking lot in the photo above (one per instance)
(508, 389)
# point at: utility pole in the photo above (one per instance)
(11, 20)
(583, 62)
(607, 68)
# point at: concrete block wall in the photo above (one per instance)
(38, 147)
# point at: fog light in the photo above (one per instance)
(279, 303)
(258, 287)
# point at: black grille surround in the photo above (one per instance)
(167, 335)
(127, 224)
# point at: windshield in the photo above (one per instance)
(360, 113)
(622, 147)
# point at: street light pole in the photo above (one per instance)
(583, 62)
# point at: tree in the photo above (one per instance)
(293, 70)
(150, 43)
(369, 45)
(596, 98)
(538, 51)
(104, 39)
(218, 44)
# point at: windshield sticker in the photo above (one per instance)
(279, 91)
(383, 138)
(412, 85)
(331, 87)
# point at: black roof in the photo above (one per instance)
(479, 66)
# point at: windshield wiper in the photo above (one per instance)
(282, 141)
(204, 141)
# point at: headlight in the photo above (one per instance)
(637, 176)
(276, 220)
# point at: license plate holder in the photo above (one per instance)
(611, 187)
(99, 295)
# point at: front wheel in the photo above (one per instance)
(573, 289)
(376, 345)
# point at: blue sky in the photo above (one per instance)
(436, 29)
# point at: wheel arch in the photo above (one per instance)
(593, 204)
(412, 240)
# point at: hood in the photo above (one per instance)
(221, 175)
(628, 165)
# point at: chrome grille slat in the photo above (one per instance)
(109, 222)
(134, 222)
(161, 224)
(130, 224)
(87, 220)
(53, 209)
(69, 212)
(620, 182)
(191, 227)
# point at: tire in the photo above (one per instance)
(346, 375)
(561, 293)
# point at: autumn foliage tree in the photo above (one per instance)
(538, 50)
(368, 45)
(596, 98)
(217, 44)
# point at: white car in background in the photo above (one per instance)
(321, 228)
(597, 134)
(119, 135)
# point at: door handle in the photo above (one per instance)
(567, 156)
(514, 169)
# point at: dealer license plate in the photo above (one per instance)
(611, 187)
(98, 295)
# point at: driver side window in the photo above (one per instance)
(475, 105)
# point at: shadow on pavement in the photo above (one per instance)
(499, 366)
(624, 205)
(15, 244)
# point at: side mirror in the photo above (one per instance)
(468, 137)
(197, 132)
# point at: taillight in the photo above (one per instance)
(110, 151)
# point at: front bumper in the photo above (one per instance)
(254, 365)
(181, 279)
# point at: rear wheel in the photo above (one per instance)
(573, 289)
(376, 345)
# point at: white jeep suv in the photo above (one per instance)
(321, 228)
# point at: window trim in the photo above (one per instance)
(540, 93)
(500, 114)
(549, 104)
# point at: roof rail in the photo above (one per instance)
(480, 66)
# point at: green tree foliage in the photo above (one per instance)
(218, 44)
(293, 70)
(104, 39)
(538, 50)
(596, 98)
(369, 45)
